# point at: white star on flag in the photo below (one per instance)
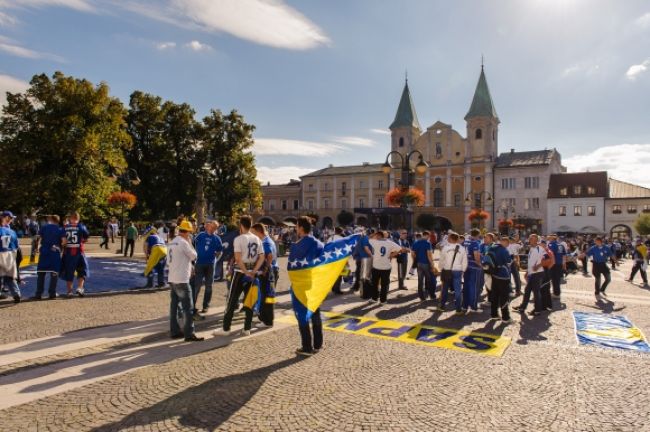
(293, 263)
(348, 248)
(327, 255)
(338, 252)
(304, 262)
(315, 261)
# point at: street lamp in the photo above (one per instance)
(130, 176)
(488, 199)
(406, 180)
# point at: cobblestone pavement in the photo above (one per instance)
(544, 381)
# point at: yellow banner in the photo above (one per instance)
(437, 337)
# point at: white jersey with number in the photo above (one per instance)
(381, 250)
(249, 246)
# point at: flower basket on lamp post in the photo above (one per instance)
(505, 225)
(123, 200)
(477, 217)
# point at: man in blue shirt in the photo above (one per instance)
(74, 257)
(473, 278)
(559, 266)
(362, 257)
(307, 247)
(269, 275)
(500, 272)
(600, 254)
(8, 250)
(402, 258)
(158, 258)
(208, 246)
(422, 253)
(52, 238)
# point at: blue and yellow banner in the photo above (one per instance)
(609, 331)
(418, 334)
(313, 269)
(158, 252)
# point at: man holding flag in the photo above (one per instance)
(312, 269)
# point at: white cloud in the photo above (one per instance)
(80, 5)
(635, 70)
(162, 46)
(643, 20)
(7, 20)
(12, 85)
(11, 47)
(581, 69)
(626, 162)
(198, 46)
(380, 131)
(280, 175)
(354, 141)
(285, 147)
(266, 22)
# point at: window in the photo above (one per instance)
(326, 203)
(477, 200)
(361, 184)
(577, 190)
(296, 204)
(380, 184)
(508, 183)
(591, 190)
(438, 150)
(577, 210)
(562, 211)
(438, 180)
(591, 210)
(344, 203)
(456, 200)
(310, 204)
(535, 203)
(326, 186)
(531, 182)
(478, 134)
(361, 203)
(343, 186)
(438, 198)
(631, 209)
(616, 209)
(283, 203)
(380, 202)
(271, 204)
(401, 142)
(646, 208)
(564, 192)
(310, 188)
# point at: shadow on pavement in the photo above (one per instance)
(205, 406)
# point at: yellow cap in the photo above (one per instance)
(186, 226)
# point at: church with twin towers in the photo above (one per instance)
(459, 175)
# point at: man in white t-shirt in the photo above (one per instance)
(514, 248)
(534, 277)
(383, 251)
(249, 259)
(180, 256)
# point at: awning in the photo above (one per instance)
(590, 230)
(382, 210)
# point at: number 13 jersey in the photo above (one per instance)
(249, 246)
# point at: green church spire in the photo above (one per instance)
(482, 105)
(405, 116)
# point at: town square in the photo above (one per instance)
(283, 215)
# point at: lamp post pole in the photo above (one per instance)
(130, 176)
(406, 178)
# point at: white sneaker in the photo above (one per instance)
(221, 332)
(80, 292)
(245, 332)
(263, 325)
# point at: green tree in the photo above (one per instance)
(345, 218)
(642, 224)
(427, 221)
(60, 140)
(231, 184)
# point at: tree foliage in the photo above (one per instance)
(642, 224)
(60, 140)
(426, 221)
(345, 218)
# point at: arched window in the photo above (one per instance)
(401, 141)
(478, 134)
(438, 198)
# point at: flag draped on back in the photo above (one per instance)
(313, 269)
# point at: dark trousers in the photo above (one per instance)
(533, 285)
(599, 269)
(40, 283)
(638, 267)
(556, 278)
(266, 314)
(584, 266)
(545, 290)
(357, 275)
(306, 333)
(500, 298)
(129, 243)
(336, 288)
(104, 242)
(238, 286)
(426, 282)
(516, 277)
(203, 274)
(380, 277)
(402, 265)
(159, 269)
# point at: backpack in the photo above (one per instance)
(549, 258)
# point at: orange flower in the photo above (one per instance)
(398, 197)
(127, 199)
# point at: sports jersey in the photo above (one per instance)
(514, 249)
(535, 256)
(269, 248)
(249, 246)
(600, 254)
(8, 239)
(76, 235)
(153, 240)
(180, 257)
(207, 246)
(359, 249)
(471, 246)
(558, 251)
(381, 251)
(421, 248)
(51, 236)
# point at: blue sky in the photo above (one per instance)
(321, 80)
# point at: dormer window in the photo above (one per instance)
(478, 134)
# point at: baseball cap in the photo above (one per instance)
(8, 214)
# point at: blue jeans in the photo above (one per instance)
(181, 293)
(10, 283)
(473, 276)
(218, 270)
(456, 285)
(203, 272)
(426, 282)
(160, 270)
